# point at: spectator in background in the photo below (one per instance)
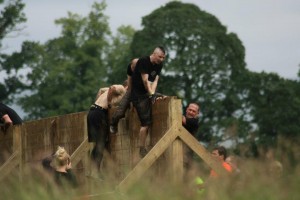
(190, 121)
(63, 168)
(233, 162)
(220, 154)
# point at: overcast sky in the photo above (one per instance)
(269, 29)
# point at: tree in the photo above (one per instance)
(65, 73)
(274, 107)
(10, 17)
(203, 64)
(119, 55)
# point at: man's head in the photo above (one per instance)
(220, 153)
(192, 111)
(158, 55)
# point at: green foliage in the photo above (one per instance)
(65, 74)
(119, 55)
(10, 17)
(274, 106)
(202, 64)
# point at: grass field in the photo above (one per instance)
(255, 181)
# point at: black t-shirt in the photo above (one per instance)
(5, 110)
(129, 71)
(191, 125)
(67, 178)
(144, 66)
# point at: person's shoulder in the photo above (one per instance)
(227, 166)
(192, 120)
(143, 59)
(2, 105)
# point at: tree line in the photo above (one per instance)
(205, 64)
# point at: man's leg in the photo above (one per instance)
(120, 112)
(101, 126)
(142, 140)
(144, 111)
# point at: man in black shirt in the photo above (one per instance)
(8, 116)
(144, 82)
(190, 122)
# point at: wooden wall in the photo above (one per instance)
(40, 138)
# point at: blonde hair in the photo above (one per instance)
(61, 157)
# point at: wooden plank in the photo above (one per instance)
(19, 146)
(87, 158)
(80, 152)
(177, 161)
(17, 141)
(9, 165)
(175, 154)
(149, 159)
(194, 144)
(175, 112)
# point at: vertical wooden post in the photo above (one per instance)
(87, 160)
(177, 160)
(18, 147)
(175, 114)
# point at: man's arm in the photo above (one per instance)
(7, 119)
(115, 94)
(101, 91)
(183, 120)
(7, 122)
(147, 84)
(154, 84)
(129, 73)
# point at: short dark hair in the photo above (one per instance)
(162, 49)
(195, 104)
(222, 151)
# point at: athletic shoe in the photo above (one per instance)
(113, 129)
(143, 152)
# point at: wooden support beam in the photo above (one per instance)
(18, 147)
(80, 153)
(177, 161)
(149, 159)
(194, 144)
(9, 165)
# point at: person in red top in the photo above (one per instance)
(220, 154)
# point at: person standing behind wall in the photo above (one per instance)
(144, 82)
(9, 117)
(220, 154)
(190, 121)
(63, 168)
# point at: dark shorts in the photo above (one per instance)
(97, 124)
(143, 107)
